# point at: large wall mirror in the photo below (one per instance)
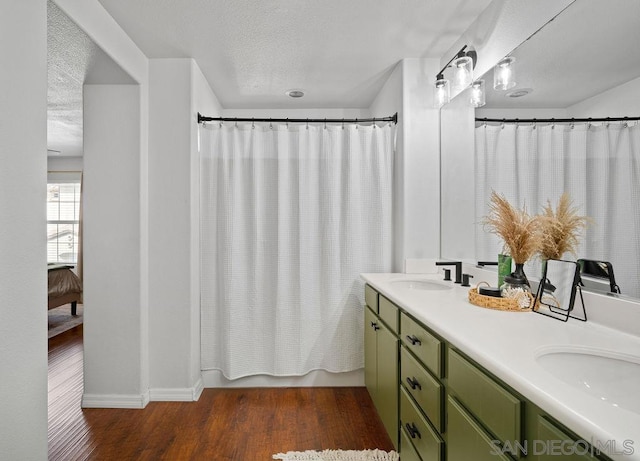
(584, 63)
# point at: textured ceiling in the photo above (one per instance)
(252, 51)
(590, 47)
(72, 60)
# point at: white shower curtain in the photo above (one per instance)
(598, 165)
(290, 216)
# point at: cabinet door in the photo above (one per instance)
(553, 444)
(466, 440)
(370, 354)
(497, 409)
(388, 386)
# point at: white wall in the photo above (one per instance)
(521, 113)
(389, 101)
(64, 164)
(421, 152)
(91, 17)
(177, 91)
(113, 375)
(417, 165)
(621, 101)
(169, 224)
(297, 113)
(23, 282)
(204, 101)
(458, 223)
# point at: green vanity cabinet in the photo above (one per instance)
(440, 405)
(381, 362)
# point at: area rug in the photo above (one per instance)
(61, 320)
(338, 455)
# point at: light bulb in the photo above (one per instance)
(463, 72)
(441, 92)
(477, 98)
(504, 74)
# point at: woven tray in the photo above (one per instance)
(501, 304)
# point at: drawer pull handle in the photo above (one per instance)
(375, 326)
(413, 430)
(414, 383)
(413, 340)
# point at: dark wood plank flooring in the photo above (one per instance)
(225, 424)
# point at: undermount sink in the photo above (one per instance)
(420, 285)
(606, 375)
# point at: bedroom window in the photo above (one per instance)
(63, 217)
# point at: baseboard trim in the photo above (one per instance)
(115, 400)
(185, 394)
(317, 378)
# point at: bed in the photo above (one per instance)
(64, 287)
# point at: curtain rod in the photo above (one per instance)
(556, 120)
(393, 119)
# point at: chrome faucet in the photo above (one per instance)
(458, 265)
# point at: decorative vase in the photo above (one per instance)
(516, 285)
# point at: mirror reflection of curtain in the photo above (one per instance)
(597, 164)
(290, 216)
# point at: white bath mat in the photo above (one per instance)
(338, 455)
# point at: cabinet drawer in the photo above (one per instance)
(407, 452)
(494, 406)
(389, 313)
(426, 442)
(550, 447)
(425, 390)
(423, 344)
(371, 298)
(466, 440)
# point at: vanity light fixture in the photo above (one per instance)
(463, 64)
(504, 76)
(477, 98)
(441, 92)
(463, 71)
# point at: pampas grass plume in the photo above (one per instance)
(519, 230)
(561, 229)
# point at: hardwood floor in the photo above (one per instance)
(225, 424)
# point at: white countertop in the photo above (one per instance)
(506, 344)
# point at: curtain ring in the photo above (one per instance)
(356, 123)
(307, 124)
(325, 123)
(287, 122)
(374, 123)
(253, 124)
(343, 123)
(270, 126)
